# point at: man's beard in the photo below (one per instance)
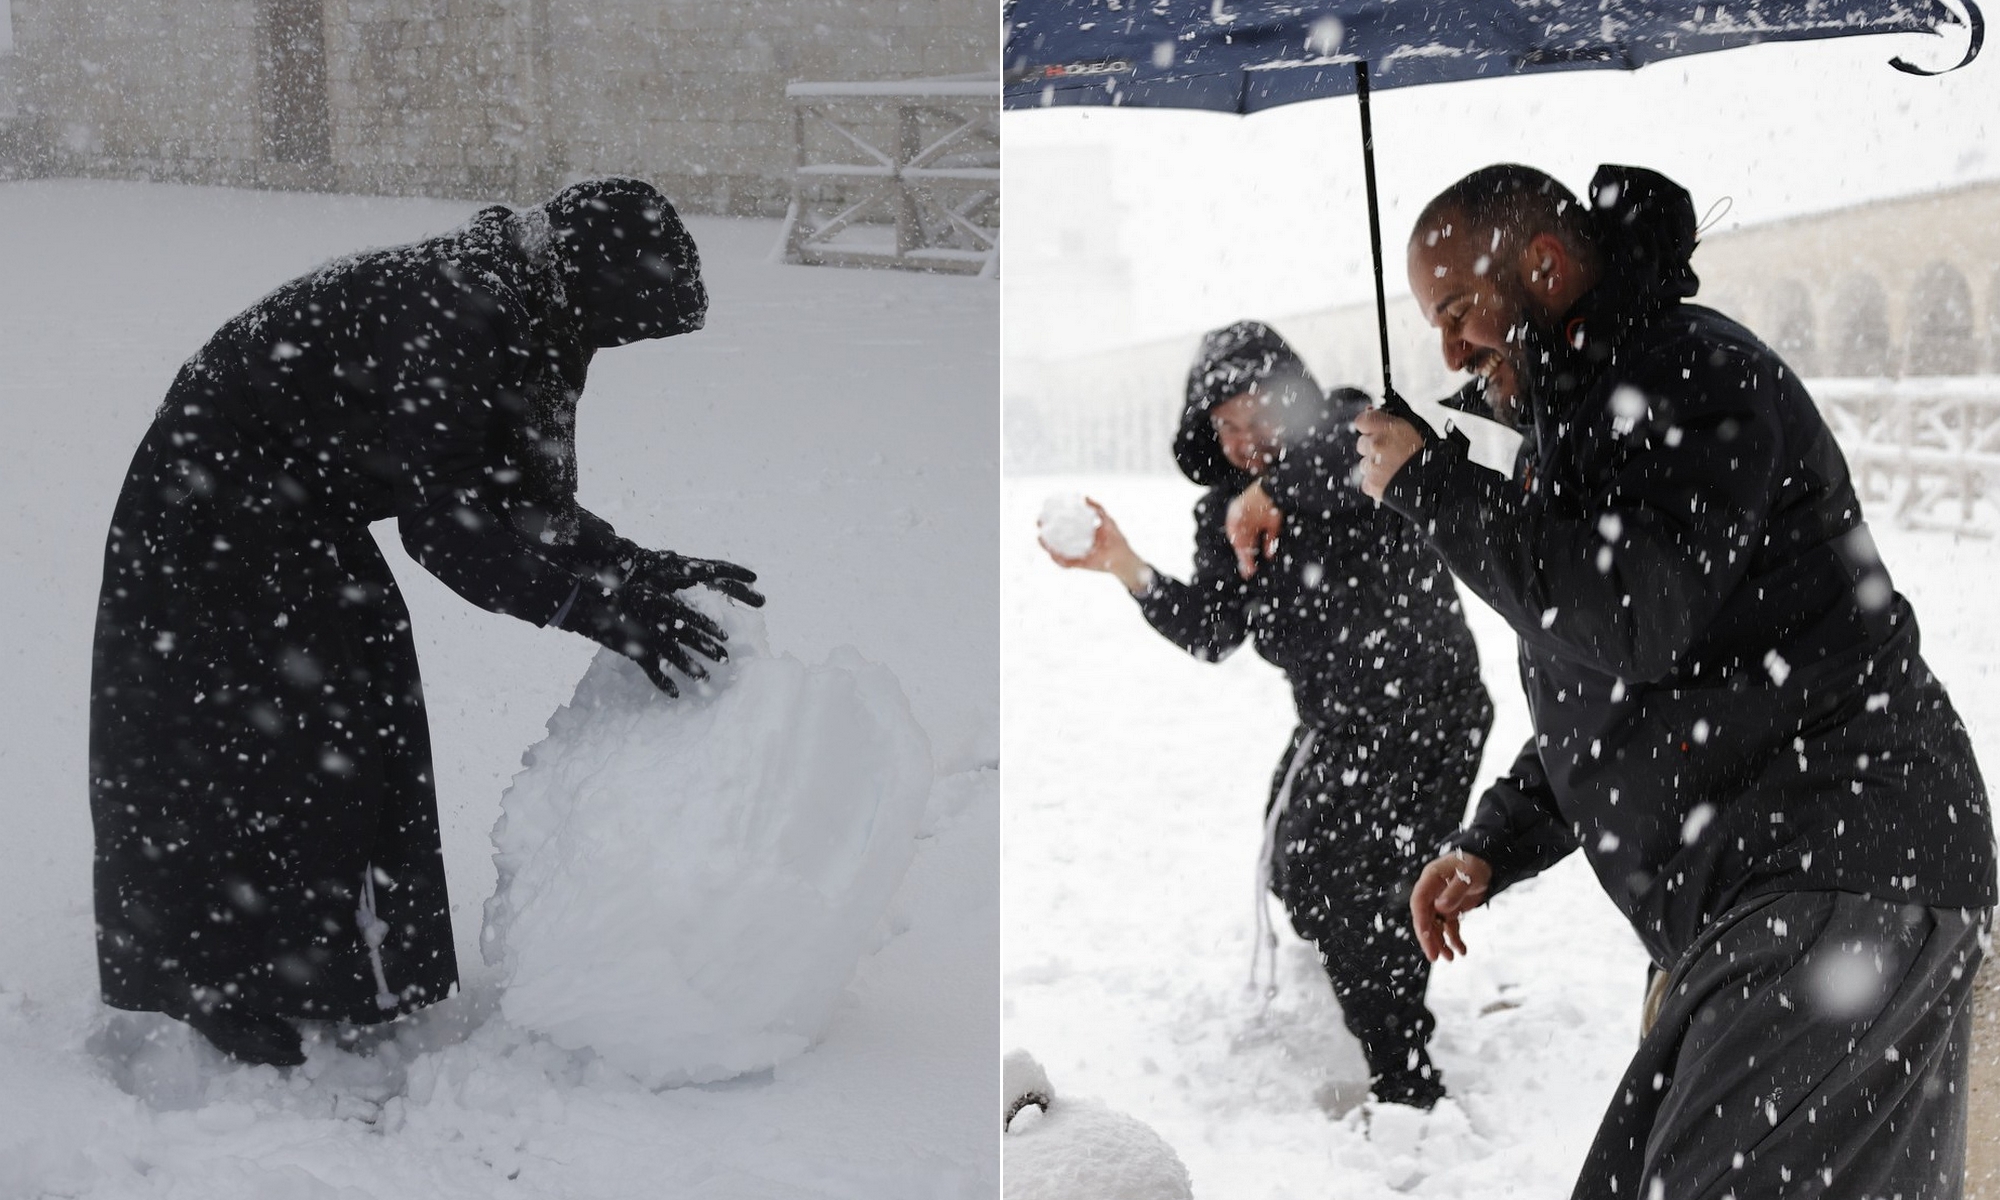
(1502, 390)
(1505, 408)
(1510, 407)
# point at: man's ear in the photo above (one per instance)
(1546, 267)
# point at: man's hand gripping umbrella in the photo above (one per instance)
(1391, 434)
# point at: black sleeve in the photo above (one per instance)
(1625, 573)
(1204, 616)
(1316, 477)
(1516, 827)
(442, 387)
(599, 549)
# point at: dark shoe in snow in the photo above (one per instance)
(248, 1037)
(1415, 1090)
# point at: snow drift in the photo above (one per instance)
(686, 886)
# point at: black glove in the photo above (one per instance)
(652, 628)
(665, 571)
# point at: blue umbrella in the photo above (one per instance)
(1243, 56)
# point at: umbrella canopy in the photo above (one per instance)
(1243, 56)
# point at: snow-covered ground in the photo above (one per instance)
(833, 429)
(1136, 780)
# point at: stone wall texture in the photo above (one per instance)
(500, 99)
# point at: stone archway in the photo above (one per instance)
(1938, 333)
(1857, 343)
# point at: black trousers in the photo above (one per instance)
(1811, 1044)
(1368, 805)
(260, 770)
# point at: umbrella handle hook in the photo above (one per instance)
(1978, 25)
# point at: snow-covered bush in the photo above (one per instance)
(1066, 1148)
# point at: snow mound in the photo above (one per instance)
(1078, 1149)
(1068, 525)
(687, 885)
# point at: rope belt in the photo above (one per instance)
(1265, 948)
(373, 931)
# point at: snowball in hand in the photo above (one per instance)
(1068, 525)
(686, 885)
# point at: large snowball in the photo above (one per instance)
(686, 886)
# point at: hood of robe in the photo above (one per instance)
(629, 267)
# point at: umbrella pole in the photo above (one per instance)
(1374, 225)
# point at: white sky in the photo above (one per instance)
(1219, 215)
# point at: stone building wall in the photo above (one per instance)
(1931, 262)
(500, 99)
(191, 113)
(436, 97)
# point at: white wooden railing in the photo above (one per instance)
(896, 174)
(1925, 451)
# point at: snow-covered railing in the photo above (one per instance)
(1925, 451)
(896, 173)
(1926, 447)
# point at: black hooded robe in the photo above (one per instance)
(1365, 623)
(261, 787)
(1735, 724)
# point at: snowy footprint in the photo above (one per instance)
(1338, 1097)
(166, 1066)
(1288, 1050)
(155, 1059)
(1404, 1146)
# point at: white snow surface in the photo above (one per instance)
(1068, 524)
(1132, 827)
(687, 884)
(831, 429)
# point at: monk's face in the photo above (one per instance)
(1468, 282)
(1248, 432)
